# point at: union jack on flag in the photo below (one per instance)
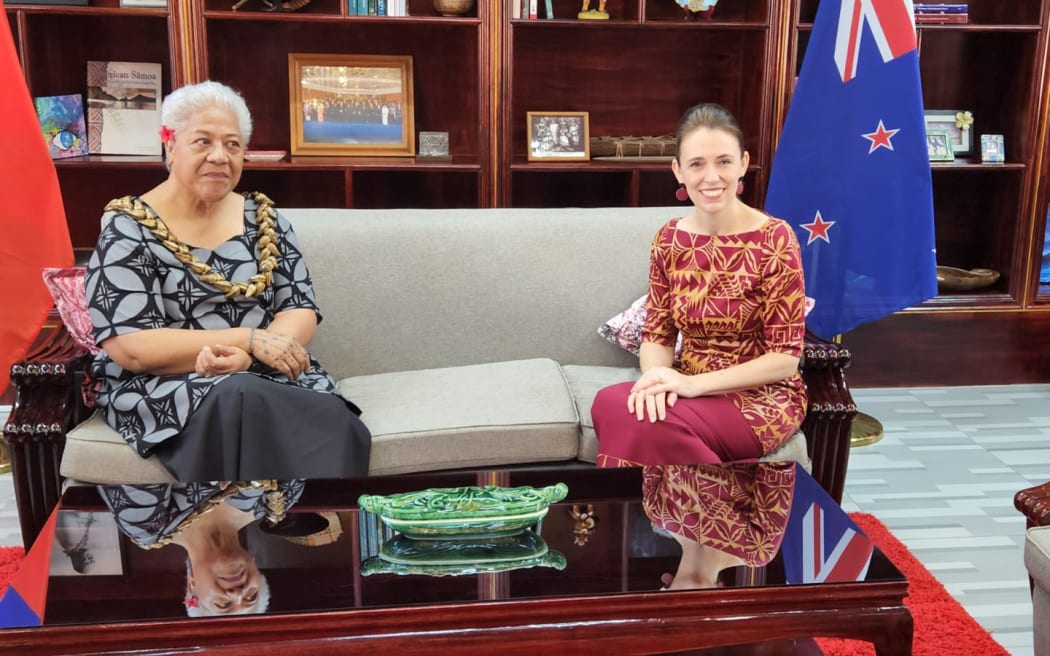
(851, 172)
(822, 544)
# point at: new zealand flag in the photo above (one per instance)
(852, 173)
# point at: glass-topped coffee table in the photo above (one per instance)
(585, 579)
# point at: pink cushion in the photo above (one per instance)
(625, 329)
(67, 289)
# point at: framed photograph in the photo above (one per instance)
(558, 136)
(956, 122)
(351, 105)
(939, 146)
(87, 543)
(992, 148)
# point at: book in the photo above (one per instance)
(123, 107)
(941, 19)
(534, 9)
(264, 155)
(550, 8)
(940, 8)
(144, 4)
(62, 122)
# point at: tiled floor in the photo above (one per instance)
(942, 479)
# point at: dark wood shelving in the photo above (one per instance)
(477, 76)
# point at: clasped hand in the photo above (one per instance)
(657, 390)
(279, 352)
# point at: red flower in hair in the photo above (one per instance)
(191, 601)
(166, 133)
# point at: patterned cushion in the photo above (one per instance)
(625, 329)
(67, 289)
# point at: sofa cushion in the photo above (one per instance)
(96, 453)
(585, 381)
(500, 413)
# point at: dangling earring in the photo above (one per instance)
(739, 187)
(681, 194)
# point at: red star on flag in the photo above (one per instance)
(880, 138)
(818, 229)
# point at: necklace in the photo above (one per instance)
(266, 244)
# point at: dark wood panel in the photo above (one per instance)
(958, 348)
(86, 190)
(60, 45)
(444, 61)
(637, 81)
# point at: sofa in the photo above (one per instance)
(1034, 503)
(469, 338)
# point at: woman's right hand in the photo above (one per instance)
(279, 352)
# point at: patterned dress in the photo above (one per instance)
(737, 508)
(134, 282)
(732, 298)
(151, 515)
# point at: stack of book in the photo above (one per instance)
(929, 13)
(377, 7)
(531, 9)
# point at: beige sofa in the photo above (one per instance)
(1037, 560)
(468, 337)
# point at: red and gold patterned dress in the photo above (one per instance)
(732, 298)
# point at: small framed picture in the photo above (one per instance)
(992, 148)
(433, 144)
(351, 104)
(939, 146)
(87, 543)
(558, 136)
(958, 123)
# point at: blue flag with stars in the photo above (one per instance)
(851, 172)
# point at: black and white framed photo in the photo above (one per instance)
(558, 136)
(958, 123)
(87, 543)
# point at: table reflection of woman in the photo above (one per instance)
(205, 519)
(722, 515)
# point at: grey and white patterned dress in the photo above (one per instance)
(135, 283)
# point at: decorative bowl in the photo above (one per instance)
(464, 512)
(404, 555)
(951, 279)
(453, 7)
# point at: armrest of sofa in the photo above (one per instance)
(48, 402)
(829, 419)
(1034, 504)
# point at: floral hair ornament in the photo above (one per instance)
(166, 134)
(191, 601)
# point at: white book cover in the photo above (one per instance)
(152, 4)
(123, 109)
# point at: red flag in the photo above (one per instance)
(24, 601)
(32, 219)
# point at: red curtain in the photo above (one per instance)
(33, 230)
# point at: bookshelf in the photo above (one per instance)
(476, 76)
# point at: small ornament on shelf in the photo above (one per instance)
(694, 8)
(586, 13)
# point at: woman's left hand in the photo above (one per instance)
(221, 359)
(657, 390)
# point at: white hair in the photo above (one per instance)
(181, 104)
(196, 610)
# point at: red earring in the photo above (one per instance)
(739, 187)
(681, 193)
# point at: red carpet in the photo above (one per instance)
(942, 625)
(10, 559)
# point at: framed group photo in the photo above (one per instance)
(351, 105)
(558, 136)
(959, 126)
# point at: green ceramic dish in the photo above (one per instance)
(464, 512)
(403, 555)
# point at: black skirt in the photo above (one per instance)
(251, 428)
